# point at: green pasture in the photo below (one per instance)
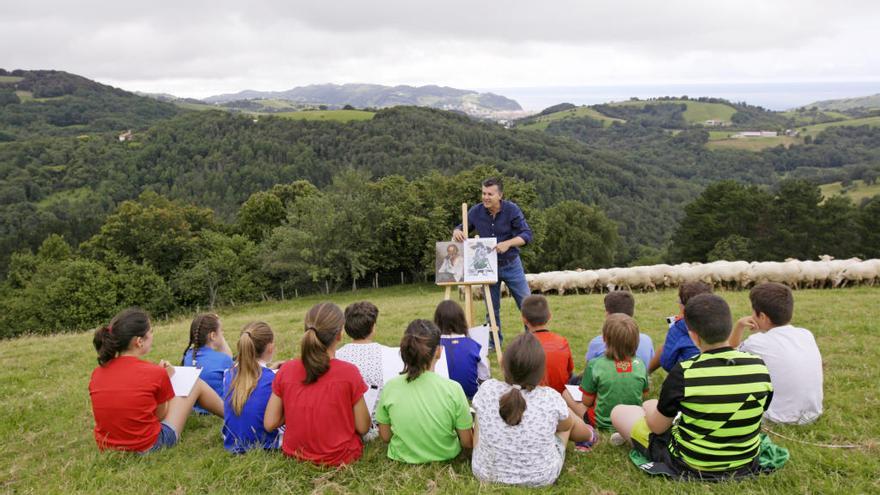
(329, 115)
(10, 79)
(697, 111)
(543, 121)
(47, 422)
(750, 143)
(857, 191)
(814, 130)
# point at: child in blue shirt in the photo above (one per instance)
(246, 391)
(208, 350)
(620, 301)
(463, 359)
(678, 345)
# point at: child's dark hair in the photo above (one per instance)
(620, 301)
(708, 316)
(322, 324)
(360, 317)
(688, 290)
(418, 346)
(535, 310)
(450, 319)
(201, 326)
(523, 364)
(774, 300)
(621, 335)
(112, 339)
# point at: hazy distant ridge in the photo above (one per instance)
(378, 96)
(844, 104)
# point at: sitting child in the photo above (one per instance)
(621, 301)
(208, 350)
(360, 325)
(522, 428)
(422, 415)
(791, 354)
(536, 316)
(463, 359)
(320, 399)
(133, 401)
(618, 377)
(246, 391)
(678, 346)
(721, 395)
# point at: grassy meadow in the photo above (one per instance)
(330, 115)
(46, 420)
(856, 192)
(543, 121)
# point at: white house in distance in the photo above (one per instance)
(754, 134)
(715, 123)
(126, 136)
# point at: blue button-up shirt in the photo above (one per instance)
(508, 223)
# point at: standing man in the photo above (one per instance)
(495, 217)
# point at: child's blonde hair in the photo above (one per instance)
(621, 335)
(252, 343)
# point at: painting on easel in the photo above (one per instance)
(480, 261)
(450, 262)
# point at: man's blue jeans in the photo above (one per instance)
(511, 274)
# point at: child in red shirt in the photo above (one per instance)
(536, 316)
(318, 397)
(132, 400)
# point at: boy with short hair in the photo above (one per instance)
(621, 301)
(678, 346)
(536, 316)
(721, 395)
(791, 354)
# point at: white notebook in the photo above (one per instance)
(184, 379)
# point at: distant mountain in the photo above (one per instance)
(844, 104)
(377, 96)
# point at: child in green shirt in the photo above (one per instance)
(422, 415)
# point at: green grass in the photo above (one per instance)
(752, 143)
(331, 115)
(196, 106)
(856, 192)
(10, 79)
(46, 420)
(543, 121)
(813, 130)
(697, 111)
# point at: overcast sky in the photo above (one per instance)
(201, 48)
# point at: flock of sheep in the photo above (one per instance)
(825, 273)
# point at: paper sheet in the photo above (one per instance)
(575, 392)
(371, 397)
(481, 335)
(184, 379)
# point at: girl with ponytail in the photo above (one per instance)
(208, 350)
(429, 414)
(319, 398)
(522, 428)
(246, 390)
(133, 401)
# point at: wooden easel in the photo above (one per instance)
(469, 296)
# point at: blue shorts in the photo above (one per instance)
(167, 438)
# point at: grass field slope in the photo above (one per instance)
(814, 130)
(697, 111)
(857, 191)
(540, 123)
(47, 421)
(327, 115)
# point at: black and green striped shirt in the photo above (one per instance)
(721, 395)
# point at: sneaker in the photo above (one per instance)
(587, 446)
(617, 439)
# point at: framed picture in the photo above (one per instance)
(480, 261)
(449, 264)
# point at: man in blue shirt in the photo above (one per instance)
(503, 220)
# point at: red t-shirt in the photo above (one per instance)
(319, 417)
(559, 361)
(125, 394)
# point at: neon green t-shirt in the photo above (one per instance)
(613, 383)
(424, 415)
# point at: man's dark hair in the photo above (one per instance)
(360, 318)
(535, 310)
(774, 300)
(688, 290)
(494, 181)
(709, 317)
(620, 301)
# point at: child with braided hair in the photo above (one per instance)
(423, 416)
(133, 401)
(320, 399)
(246, 390)
(208, 350)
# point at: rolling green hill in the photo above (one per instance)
(857, 191)
(541, 122)
(813, 130)
(328, 115)
(844, 104)
(697, 111)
